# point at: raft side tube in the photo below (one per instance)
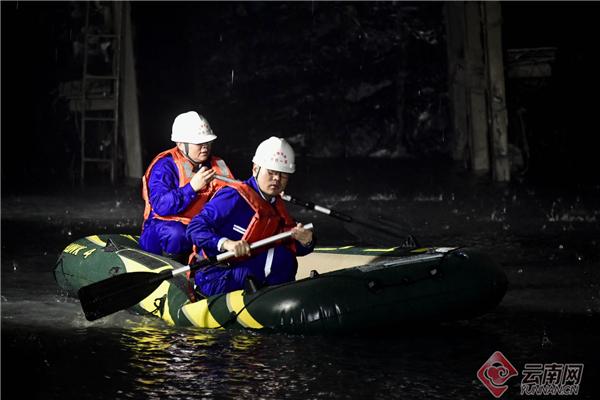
(459, 285)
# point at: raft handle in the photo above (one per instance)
(250, 285)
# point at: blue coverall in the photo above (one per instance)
(227, 215)
(167, 198)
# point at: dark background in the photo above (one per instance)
(340, 80)
(347, 81)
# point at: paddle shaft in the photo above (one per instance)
(230, 254)
(324, 210)
(339, 215)
(312, 206)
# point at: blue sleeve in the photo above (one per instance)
(166, 197)
(302, 251)
(205, 229)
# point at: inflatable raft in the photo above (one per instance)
(338, 289)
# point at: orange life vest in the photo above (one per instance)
(268, 219)
(185, 169)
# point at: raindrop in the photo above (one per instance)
(546, 342)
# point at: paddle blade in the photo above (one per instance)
(118, 292)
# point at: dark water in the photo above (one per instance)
(548, 247)
(142, 360)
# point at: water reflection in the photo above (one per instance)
(178, 362)
(166, 362)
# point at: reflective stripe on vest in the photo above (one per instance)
(185, 169)
(222, 167)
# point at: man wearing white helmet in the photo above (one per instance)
(177, 184)
(245, 212)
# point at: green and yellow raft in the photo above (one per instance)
(338, 289)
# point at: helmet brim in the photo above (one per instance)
(201, 140)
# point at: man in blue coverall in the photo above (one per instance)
(244, 212)
(177, 184)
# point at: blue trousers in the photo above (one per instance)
(165, 237)
(278, 265)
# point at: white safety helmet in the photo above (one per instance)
(275, 154)
(191, 128)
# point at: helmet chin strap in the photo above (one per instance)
(186, 146)
(263, 194)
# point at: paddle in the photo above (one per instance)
(123, 291)
(410, 241)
